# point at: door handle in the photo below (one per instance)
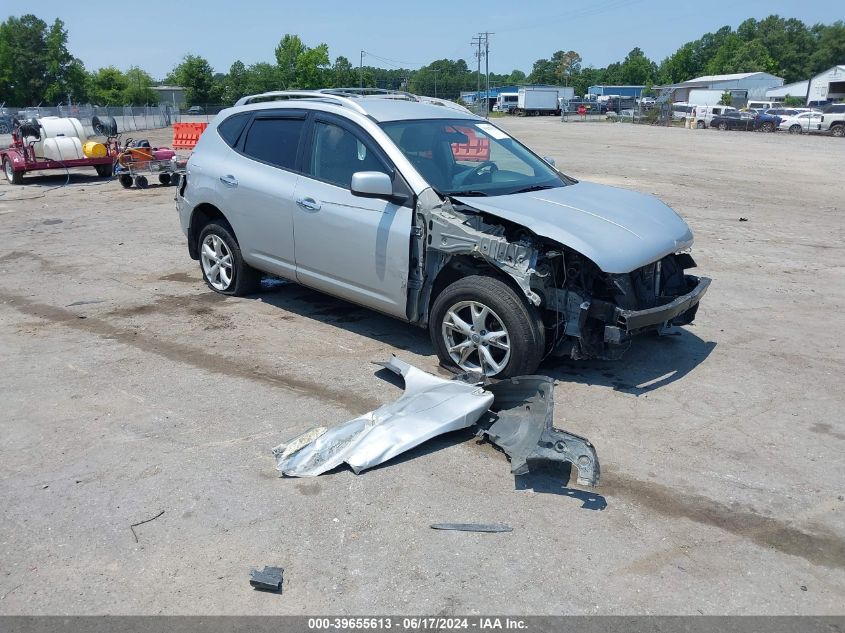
(308, 203)
(229, 180)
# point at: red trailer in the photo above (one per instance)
(20, 158)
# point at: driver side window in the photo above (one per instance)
(337, 153)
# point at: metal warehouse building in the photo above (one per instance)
(621, 91)
(797, 89)
(827, 86)
(740, 85)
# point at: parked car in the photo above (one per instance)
(833, 120)
(801, 123)
(196, 110)
(7, 122)
(734, 121)
(704, 114)
(505, 260)
(766, 122)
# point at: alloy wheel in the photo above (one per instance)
(216, 262)
(476, 338)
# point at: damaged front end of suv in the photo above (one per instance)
(595, 279)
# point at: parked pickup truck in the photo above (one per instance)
(833, 120)
(504, 259)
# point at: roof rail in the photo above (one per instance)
(280, 95)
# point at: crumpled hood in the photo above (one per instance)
(620, 230)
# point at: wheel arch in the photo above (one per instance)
(458, 267)
(203, 214)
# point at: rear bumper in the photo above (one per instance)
(679, 311)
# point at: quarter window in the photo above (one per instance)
(232, 127)
(274, 141)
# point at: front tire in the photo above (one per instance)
(222, 264)
(723, 126)
(795, 129)
(481, 324)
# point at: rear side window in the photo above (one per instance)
(274, 141)
(230, 130)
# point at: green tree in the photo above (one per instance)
(515, 77)
(830, 46)
(107, 86)
(343, 74)
(726, 99)
(262, 77)
(65, 76)
(568, 65)
(138, 89)
(637, 69)
(287, 53)
(23, 63)
(235, 84)
(196, 76)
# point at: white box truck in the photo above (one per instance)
(506, 101)
(705, 97)
(533, 101)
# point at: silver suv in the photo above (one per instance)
(437, 217)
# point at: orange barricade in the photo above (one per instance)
(476, 149)
(186, 135)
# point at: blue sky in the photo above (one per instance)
(156, 35)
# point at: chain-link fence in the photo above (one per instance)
(128, 118)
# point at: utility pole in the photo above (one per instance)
(361, 70)
(435, 82)
(487, 72)
(476, 41)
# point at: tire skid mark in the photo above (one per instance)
(185, 354)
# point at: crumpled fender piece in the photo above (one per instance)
(429, 407)
(523, 410)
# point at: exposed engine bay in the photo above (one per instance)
(587, 313)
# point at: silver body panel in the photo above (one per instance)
(429, 407)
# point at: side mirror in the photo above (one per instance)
(372, 184)
(549, 160)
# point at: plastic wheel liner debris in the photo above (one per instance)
(522, 426)
(429, 407)
(514, 414)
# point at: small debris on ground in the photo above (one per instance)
(473, 527)
(268, 579)
(134, 525)
(743, 219)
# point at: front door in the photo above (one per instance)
(352, 247)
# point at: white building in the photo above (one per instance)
(827, 86)
(796, 89)
(742, 86)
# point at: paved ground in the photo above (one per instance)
(128, 389)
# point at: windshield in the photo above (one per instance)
(471, 158)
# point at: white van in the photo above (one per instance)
(681, 110)
(761, 105)
(705, 114)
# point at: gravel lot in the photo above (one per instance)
(129, 388)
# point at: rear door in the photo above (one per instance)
(260, 181)
(349, 246)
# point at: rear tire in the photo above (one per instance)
(222, 265)
(104, 171)
(465, 336)
(700, 125)
(723, 126)
(838, 130)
